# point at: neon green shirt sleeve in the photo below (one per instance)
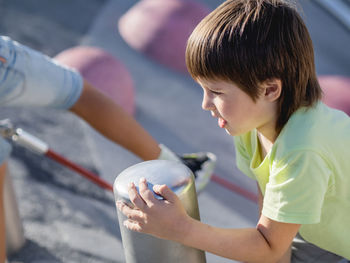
(296, 188)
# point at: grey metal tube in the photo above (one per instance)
(143, 248)
(14, 230)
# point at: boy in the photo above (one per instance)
(29, 78)
(254, 61)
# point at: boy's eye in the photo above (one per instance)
(216, 92)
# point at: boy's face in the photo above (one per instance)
(236, 111)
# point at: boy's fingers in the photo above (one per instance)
(145, 192)
(135, 198)
(166, 192)
(132, 225)
(130, 213)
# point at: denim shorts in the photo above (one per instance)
(31, 79)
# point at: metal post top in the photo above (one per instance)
(157, 172)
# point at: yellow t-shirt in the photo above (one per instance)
(305, 178)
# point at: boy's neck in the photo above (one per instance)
(265, 144)
(267, 136)
(268, 131)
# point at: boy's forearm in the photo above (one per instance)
(246, 245)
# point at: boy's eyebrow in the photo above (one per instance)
(214, 87)
(210, 87)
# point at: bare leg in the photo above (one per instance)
(113, 122)
(3, 168)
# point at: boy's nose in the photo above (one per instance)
(207, 103)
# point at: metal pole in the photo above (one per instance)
(14, 230)
(143, 248)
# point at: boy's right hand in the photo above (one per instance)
(165, 219)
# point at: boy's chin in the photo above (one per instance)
(233, 132)
(230, 132)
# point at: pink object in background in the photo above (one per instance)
(160, 29)
(336, 92)
(103, 71)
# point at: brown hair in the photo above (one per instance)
(250, 41)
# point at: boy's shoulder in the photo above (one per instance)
(314, 128)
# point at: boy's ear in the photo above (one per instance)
(272, 89)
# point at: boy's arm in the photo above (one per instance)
(113, 122)
(287, 255)
(268, 242)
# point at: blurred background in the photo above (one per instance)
(67, 218)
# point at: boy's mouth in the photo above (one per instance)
(221, 122)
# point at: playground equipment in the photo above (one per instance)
(336, 91)
(14, 229)
(143, 248)
(159, 29)
(103, 71)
